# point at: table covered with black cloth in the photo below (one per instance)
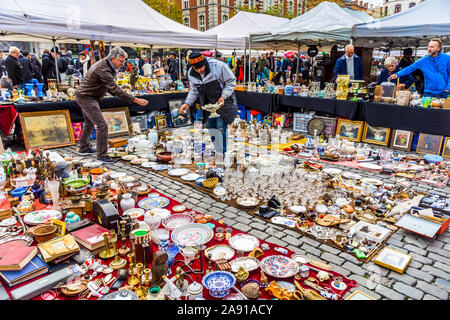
(431, 121)
(156, 102)
(265, 102)
(342, 108)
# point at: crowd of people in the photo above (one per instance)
(429, 75)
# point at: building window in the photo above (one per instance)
(398, 8)
(412, 4)
(225, 2)
(186, 22)
(385, 11)
(201, 2)
(201, 23)
(290, 6)
(251, 3)
(224, 18)
(185, 4)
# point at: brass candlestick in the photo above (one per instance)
(139, 291)
(118, 262)
(147, 278)
(107, 253)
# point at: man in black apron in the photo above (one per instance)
(212, 81)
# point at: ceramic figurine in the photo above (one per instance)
(251, 290)
(242, 274)
(159, 268)
(127, 202)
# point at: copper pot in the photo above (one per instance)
(164, 156)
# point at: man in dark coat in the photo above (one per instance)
(408, 60)
(349, 64)
(26, 66)
(2, 64)
(174, 66)
(49, 67)
(99, 80)
(35, 67)
(13, 67)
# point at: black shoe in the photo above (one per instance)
(86, 151)
(106, 159)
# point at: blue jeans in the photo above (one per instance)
(217, 129)
(442, 95)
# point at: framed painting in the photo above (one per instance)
(446, 151)
(118, 120)
(376, 135)
(429, 144)
(351, 130)
(393, 259)
(47, 129)
(179, 119)
(60, 227)
(402, 140)
(161, 122)
(359, 295)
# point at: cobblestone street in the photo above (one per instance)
(426, 278)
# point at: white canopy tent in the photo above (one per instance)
(129, 22)
(413, 27)
(326, 24)
(233, 34)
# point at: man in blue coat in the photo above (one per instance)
(436, 70)
(349, 64)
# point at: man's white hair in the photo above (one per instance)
(13, 49)
(116, 52)
(348, 46)
(389, 61)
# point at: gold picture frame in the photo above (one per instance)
(359, 295)
(393, 259)
(446, 149)
(161, 122)
(429, 144)
(47, 129)
(401, 140)
(119, 122)
(376, 135)
(61, 227)
(350, 126)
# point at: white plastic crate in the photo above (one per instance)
(301, 121)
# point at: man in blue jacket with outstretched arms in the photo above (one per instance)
(436, 71)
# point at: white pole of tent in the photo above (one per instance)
(151, 58)
(179, 62)
(56, 61)
(249, 59)
(298, 62)
(245, 61)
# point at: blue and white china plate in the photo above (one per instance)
(192, 234)
(160, 167)
(219, 283)
(153, 202)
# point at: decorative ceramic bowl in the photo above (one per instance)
(244, 242)
(279, 266)
(153, 202)
(192, 234)
(134, 213)
(177, 220)
(219, 283)
(248, 263)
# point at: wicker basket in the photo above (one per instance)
(210, 182)
(43, 232)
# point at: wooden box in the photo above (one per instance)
(117, 142)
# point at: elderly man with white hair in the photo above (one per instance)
(100, 79)
(350, 64)
(13, 67)
(391, 67)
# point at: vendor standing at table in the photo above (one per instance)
(100, 79)
(212, 81)
(350, 64)
(391, 67)
(436, 70)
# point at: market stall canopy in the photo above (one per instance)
(413, 27)
(130, 22)
(326, 24)
(233, 33)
